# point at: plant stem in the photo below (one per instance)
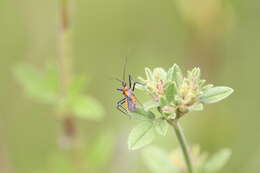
(69, 136)
(65, 67)
(183, 143)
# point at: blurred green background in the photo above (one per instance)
(220, 36)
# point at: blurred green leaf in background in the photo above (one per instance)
(158, 160)
(44, 86)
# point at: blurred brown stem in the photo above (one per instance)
(65, 68)
(68, 121)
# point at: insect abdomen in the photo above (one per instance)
(131, 105)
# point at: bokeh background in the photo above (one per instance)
(220, 36)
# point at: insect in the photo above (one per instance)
(129, 101)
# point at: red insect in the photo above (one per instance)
(129, 99)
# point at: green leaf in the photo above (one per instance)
(196, 107)
(171, 92)
(158, 161)
(43, 86)
(196, 72)
(215, 94)
(150, 104)
(217, 161)
(138, 116)
(170, 74)
(145, 116)
(141, 135)
(101, 150)
(159, 74)
(87, 107)
(177, 75)
(161, 127)
(140, 112)
(206, 87)
(149, 74)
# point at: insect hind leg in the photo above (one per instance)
(120, 107)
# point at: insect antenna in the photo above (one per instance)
(124, 70)
(118, 80)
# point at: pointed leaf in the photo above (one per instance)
(171, 92)
(159, 74)
(215, 94)
(141, 135)
(206, 87)
(149, 74)
(170, 74)
(177, 75)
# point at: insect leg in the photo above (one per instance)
(120, 107)
(120, 102)
(135, 85)
(130, 83)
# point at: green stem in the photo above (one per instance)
(183, 143)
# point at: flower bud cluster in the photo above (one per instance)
(176, 94)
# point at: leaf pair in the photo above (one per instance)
(44, 86)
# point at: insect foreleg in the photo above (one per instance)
(134, 84)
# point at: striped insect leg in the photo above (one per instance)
(120, 107)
